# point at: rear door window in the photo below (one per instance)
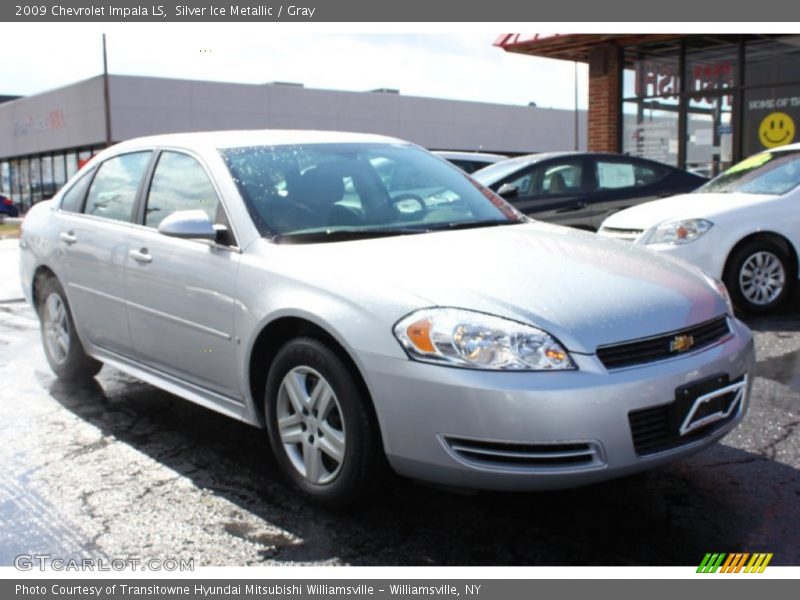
(113, 190)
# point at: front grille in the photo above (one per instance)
(504, 455)
(657, 429)
(657, 348)
(624, 235)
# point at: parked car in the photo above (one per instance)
(470, 161)
(581, 189)
(7, 207)
(270, 275)
(743, 227)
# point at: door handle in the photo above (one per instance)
(68, 237)
(141, 256)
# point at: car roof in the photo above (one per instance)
(253, 137)
(464, 155)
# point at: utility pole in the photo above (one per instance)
(106, 95)
(575, 87)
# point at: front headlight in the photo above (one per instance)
(680, 232)
(464, 338)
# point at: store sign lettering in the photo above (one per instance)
(30, 124)
(655, 79)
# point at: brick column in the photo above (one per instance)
(604, 99)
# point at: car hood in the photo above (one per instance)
(584, 290)
(684, 206)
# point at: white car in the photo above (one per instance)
(742, 227)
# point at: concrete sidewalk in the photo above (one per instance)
(10, 288)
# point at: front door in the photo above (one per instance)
(554, 191)
(181, 292)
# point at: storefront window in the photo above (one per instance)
(24, 183)
(14, 178)
(72, 164)
(48, 187)
(650, 130)
(711, 64)
(709, 135)
(5, 178)
(59, 171)
(35, 180)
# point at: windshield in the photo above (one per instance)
(488, 176)
(773, 173)
(347, 191)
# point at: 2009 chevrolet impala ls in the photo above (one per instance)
(363, 300)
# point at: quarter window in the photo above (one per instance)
(180, 183)
(73, 199)
(113, 191)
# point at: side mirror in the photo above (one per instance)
(508, 190)
(188, 224)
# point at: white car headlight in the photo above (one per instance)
(464, 338)
(680, 232)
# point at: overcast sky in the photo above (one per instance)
(464, 66)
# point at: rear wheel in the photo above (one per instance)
(62, 347)
(320, 426)
(759, 276)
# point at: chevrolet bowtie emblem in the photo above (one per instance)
(681, 343)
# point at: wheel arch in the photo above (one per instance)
(41, 273)
(273, 336)
(769, 236)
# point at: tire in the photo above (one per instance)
(62, 347)
(759, 276)
(327, 443)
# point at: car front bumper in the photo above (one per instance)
(428, 414)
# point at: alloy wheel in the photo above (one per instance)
(311, 425)
(56, 328)
(762, 278)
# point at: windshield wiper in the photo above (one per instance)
(470, 224)
(343, 235)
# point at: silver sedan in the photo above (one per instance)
(371, 306)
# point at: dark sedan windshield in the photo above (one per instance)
(488, 176)
(773, 173)
(345, 191)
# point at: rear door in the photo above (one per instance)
(94, 221)
(620, 182)
(554, 191)
(181, 292)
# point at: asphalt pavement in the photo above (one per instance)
(120, 469)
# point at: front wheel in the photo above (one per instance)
(320, 427)
(62, 347)
(759, 276)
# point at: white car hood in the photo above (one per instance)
(684, 206)
(585, 290)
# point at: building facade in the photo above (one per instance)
(699, 102)
(45, 138)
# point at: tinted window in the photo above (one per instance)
(73, 199)
(113, 190)
(179, 183)
(612, 175)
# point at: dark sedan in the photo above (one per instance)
(581, 189)
(7, 207)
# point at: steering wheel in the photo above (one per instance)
(417, 204)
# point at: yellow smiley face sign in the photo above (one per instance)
(776, 130)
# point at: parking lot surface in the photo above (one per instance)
(120, 469)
